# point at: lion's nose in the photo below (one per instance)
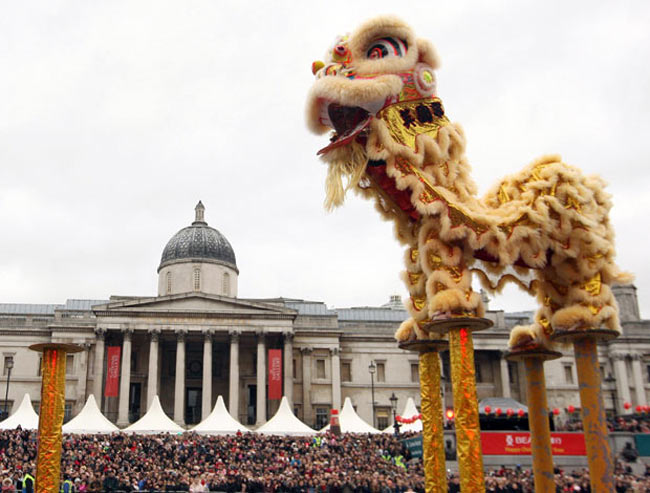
(316, 66)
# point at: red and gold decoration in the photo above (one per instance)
(48, 465)
(545, 228)
(433, 451)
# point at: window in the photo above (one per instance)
(9, 361)
(513, 373)
(383, 417)
(197, 279)
(381, 372)
(226, 284)
(648, 369)
(67, 412)
(477, 371)
(69, 364)
(295, 370)
(134, 361)
(415, 372)
(568, 373)
(40, 366)
(322, 415)
(320, 368)
(346, 371)
(8, 405)
(169, 283)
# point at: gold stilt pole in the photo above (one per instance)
(48, 465)
(540, 430)
(433, 451)
(468, 432)
(599, 455)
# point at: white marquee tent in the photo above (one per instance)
(284, 422)
(154, 421)
(409, 411)
(90, 420)
(351, 422)
(25, 416)
(219, 422)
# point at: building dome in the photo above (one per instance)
(198, 242)
(198, 258)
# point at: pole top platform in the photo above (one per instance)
(423, 346)
(472, 324)
(568, 335)
(532, 352)
(68, 348)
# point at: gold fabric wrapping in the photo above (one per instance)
(468, 432)
(539, 426)
(433, 451)
(599, 455)
(48, 466)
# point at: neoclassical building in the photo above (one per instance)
(196, 339)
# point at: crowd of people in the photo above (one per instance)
(633, 423)
(254, 463)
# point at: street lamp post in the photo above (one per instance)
(393, 405)
(372, 368)
(9, 366)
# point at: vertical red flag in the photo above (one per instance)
(112, 371)
(275, 374)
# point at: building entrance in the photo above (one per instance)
(193, 397)
(252, 404)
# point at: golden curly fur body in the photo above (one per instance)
(545, 228)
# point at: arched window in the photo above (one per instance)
(226, 284)
(197, 279)
(169, 283)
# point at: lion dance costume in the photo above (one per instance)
(545, 228)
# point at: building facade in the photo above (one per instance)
(197, 339)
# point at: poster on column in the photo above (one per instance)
(275, 374)
(112, 371)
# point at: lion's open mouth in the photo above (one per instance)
(348, 122)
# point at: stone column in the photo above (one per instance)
(125, 380)
(623, 387)
(152, 379)
(83, 371)
(233, 399)
(179, 386)
(306, 385)
(288, 367)
(336, 378)
(261, 379)
(505, 376)
(206, 398)
(639, 387)
(98, 369)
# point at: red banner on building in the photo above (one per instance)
(275, 374)
(518, 443)
(112, 371)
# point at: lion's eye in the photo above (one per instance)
(387, 47)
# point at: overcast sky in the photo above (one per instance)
(117, 117)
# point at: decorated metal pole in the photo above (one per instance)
(599, 454)
(48, 465)
(538, 413)
(433, 452)
(463, 377)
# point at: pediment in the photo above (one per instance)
(192, 303)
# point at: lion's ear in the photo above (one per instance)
(427, 53)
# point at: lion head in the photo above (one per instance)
(379, 65)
